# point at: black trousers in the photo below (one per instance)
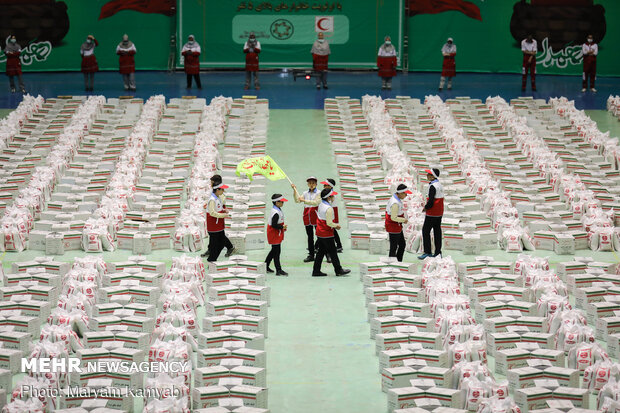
(326, 246)
(336, 239)
(217, 242)
(274, 255)
(431, 223)
(310, 234)
(196, 78)
(397, 246)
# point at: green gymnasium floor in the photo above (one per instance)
(320, 357)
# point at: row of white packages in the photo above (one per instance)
(513, 237)
(17, 220)
(581, 200)
(99, 230)
(191, 228)
(11, 125)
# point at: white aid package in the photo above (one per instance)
(598, 375)
(91, 262)
(76, 301)
(609, 393)
(175, 350)
(61, 334)
(548, 304)
(511, 240)
(468, 369)
(187, 238)
(179, 319)
(195, 287)
(30, 405)
(447, 318)
(467, 351)
(584, 355)
(443, 301)
(191, 264)
(169, 387)
(497, 405)
(462, 333)
(570, 336)
(76, 319)
(475, 391)
(167, 332)
(167, 405)
(566, 318)
(526, 261)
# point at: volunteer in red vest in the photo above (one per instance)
(386, 62)
(448, 69)
(308, 198)
(590, 51)
(329, 183)
(216, 216)
(126, 63)
(325, 226)
(434, 213)
(320, 55)
(13, 63)
(394, 220)
(251, 50)
(529, 49)
(89, 62)
(214, 180)
(191, 53)
(275, 233)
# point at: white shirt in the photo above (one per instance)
(385, 51)
(529, 47)
(394, 209)
(448, 49)
(589, 47)
(129, 49)
(195, 47)
(256, 46)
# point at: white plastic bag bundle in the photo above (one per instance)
(584, 355)
(191, 264)
(467, 352)
(185, 319)
(598, 375)
(194, 287)
(465, 370)
(548, 304)
(570, 336)
(76, 319)
(167, 405)
(566, 318)
(77, 301)
(497, 405)
(175, 350)
(447, 318)
(61, 334)
(167, 332)
(173, 388)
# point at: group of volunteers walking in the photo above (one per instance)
(320, 219)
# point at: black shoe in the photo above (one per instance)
(449, 87)
(522, 89)
(437, 254)
(269, 270)
(230, 252)
(319, 274)
(282, 273)
(533, 89)
(318, 87)
(440, 89)
(329, 259)
(342, 272)
(23, 89)
(325, 87)
(12, 90)
(309, 258)
(205, 254)
(339, 250)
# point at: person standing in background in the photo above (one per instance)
(448, 69)
(529, 49)
(386, 62)
(590, 51)
(394, 220)
(191, 53)
(251, 50)
(434, 213)
(126, 63)
(89, 62)
(13, 63)
(320, 55)
(275, 234)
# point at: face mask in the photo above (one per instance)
(89, 41)
(388, 42)
(13, 41)
(449, 43)
(590, 40)
(321, 40)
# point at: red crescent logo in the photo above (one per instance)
(318, 24)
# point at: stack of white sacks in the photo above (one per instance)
(361, 178)
(79, 189)
(570, 155)
(613, 105)
(30, 201)
(465, 224)
(246, 137)
(191, 223)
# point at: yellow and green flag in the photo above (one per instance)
(263, 165)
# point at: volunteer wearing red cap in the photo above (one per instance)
(216, 215)
(325, 226)
(275, 233)
(329, 183)
(310, 208)
(434, 213)
(394, 220)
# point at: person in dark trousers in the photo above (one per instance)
(126, 51)
(309, 198)
(434, 213)
(325, 226)
(216, 215)
(320, 56)
(275, 233)
(13, 63)
(394, 220)
(191, 53)
(89, 62)
(215, 180)
(329, 183)
(529, 49)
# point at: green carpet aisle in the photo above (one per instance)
(320, 356)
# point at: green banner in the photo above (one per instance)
(51, 32)
(488, 34)
(286, 29)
